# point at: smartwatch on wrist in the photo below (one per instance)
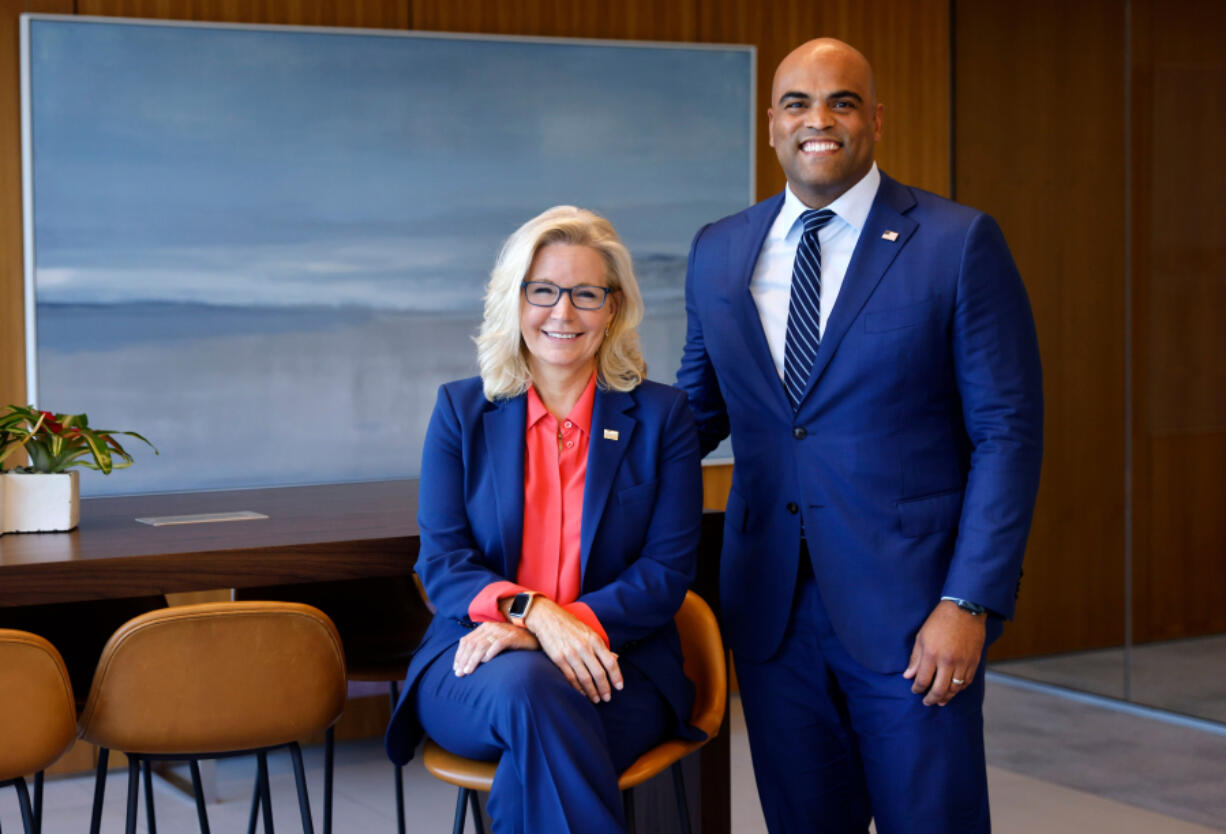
(520, 605)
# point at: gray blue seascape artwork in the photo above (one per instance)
(265, 248)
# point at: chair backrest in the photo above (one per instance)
(216, 677)
(38, 719)
(705, 662)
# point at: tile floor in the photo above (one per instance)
(1055, 767)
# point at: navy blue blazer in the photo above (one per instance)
(642, 512)
(913, 458)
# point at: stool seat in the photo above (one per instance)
(38, 718)
(209, 680)
(38, 721)
(380, 622)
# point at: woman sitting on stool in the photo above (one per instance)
(559, 507)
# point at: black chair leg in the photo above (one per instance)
(628, 809)
(133, 793)
(329, 765)
(23, 799)
(198, 789)
(461, 810)
(38, 802)
(478, 819)
(95, 820)
(265, 793)
(394, 692)
(147, 773)
(683, 801)
(255, 802)
(304, 801)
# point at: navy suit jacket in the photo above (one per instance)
(642, 512)
(913, 459)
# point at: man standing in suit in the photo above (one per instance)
(870, 347)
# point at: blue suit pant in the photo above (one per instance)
(835, 744)
(559, 754)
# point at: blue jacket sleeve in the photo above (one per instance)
(451, 564)
(696, 376)
(996, 362)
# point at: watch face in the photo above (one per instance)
(519, 605)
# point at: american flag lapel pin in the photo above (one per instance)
(889, 235)
(611, 434)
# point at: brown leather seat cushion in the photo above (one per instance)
(216, 677)
(38, 721)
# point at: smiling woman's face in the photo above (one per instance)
(563, 338)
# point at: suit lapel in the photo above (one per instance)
(611, 433)
(872, 257)
(748, 320)
(505, 424)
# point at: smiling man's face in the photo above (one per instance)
(824, 119)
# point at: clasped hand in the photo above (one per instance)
(578, 652)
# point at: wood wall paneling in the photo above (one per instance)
(629, 19)
(1178, 95)
(1180, 569)
(1056, 186)
(374, 14)
(12, 295)
(716, 484)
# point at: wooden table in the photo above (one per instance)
(312, 534)
(324, 533)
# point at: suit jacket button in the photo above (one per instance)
(793, 508)
(799, 433)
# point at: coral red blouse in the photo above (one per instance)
(555, 466)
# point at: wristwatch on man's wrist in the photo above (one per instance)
(520, 605)
(972, 608)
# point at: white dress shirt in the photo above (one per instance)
(771, 285)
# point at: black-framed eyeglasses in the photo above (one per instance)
(582, 296)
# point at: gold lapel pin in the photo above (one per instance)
(611, 434)
(890, 235)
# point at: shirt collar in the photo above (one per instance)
(580, 415)
(852, 206)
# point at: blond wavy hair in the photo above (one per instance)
(501, 352)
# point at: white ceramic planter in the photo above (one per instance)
(38, 503)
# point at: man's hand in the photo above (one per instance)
(575, 649)
(487, 641)
(946, 654)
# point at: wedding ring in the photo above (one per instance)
(957, 681)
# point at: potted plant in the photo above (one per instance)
(45, 495)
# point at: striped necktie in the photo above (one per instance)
(804, 311)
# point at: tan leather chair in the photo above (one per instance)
(38, 719)
(705, 665)
(212, 680)
(381, 624)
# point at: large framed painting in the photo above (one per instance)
(265, 247)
